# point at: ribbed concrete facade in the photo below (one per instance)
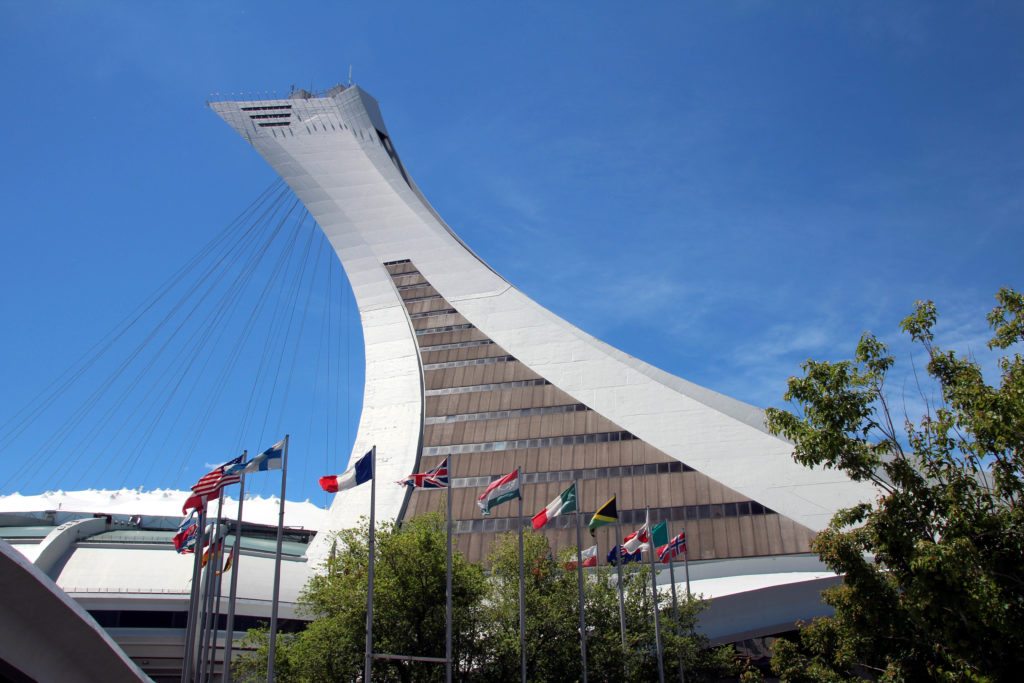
(489, 413)
(460, 364)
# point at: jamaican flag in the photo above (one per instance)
(606, 514)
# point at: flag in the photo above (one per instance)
(185, 539)
(436, 478)
(193, 503)
(269, 459)
(589, 558)
(209, 552)
(212, 482)
(659, 534)
(633, 542)
(360, 473)
(227, 563)
(606, 514)
(566, 502)
(672, 548)
(620, 551)
(500, 491)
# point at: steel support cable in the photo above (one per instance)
(184, 357)
(296, 289)
(250, 407)
(210, 331)
(205, 416)
(299, 336)
(25, 416)
(249, 236)
(319, 356)
(56, 440)
(228, 305)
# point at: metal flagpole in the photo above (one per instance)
(579, 582)
(448, 589)
(233, 589)
(654, 599)
(522, 584)
(686, 565)
(675, 614)
(368, 664)
(209, 625)
(193, 602)
(272, 649)
(618, 570)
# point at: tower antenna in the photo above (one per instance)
(350, 74)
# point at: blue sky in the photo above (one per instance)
(721, 189)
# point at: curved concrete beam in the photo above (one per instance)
(58, 543)
(47, 636)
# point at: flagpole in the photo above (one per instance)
(448, 590)
(686, 566)
(212, 580)
(368, 664)
(654, 599)
(675, 612)
(193, 602)
(579, 581)
(522, 585)
(272, 649)
(618, 569)
(233, 589)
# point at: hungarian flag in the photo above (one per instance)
(436, 478)
(566, 502)
(360, 473)
(589, 558)
(673, 548)
(500, 491)
(606, 514)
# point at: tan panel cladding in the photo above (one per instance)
(438, 321)
(525, 427)
(426, 306)
(433, 339)
(465, 353)
(506, 399)
(471, 375)
(417, 292)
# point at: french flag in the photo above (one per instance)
(360, 473)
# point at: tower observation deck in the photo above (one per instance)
(461, 364)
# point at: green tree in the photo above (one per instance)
(552, 627)
(933, 583)
(409, 614)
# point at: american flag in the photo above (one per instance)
(436, 478)
(674, 547)
(212, 481)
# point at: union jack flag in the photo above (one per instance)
(436, 478)
(672, 548)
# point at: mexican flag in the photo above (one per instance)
(500, 491)
(566, 502)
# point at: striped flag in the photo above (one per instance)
(566, 502)
(500, 491)
(638, 538)
(589, 558)
(210, 484)
(359, 473)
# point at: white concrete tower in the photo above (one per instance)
(460, 364)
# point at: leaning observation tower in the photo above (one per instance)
(461, 364)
